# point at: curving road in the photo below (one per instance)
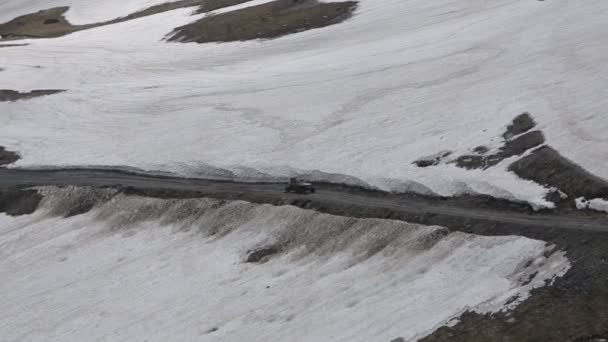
(329, 198)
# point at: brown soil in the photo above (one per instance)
(7, 95)
(16, 202)
(269, 20)
(7, 157)
(43, 24)
(52, 23)
(521, 124)
(261, 254)
(514, 147)
(12, 45)
(547, 167)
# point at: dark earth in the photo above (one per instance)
(269, 20)
(7, 157)
(541, 164)
(7, 95)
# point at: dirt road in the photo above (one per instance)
(329, 198)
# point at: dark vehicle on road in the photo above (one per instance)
(299, 186)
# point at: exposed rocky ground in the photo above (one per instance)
(51, 22)
(269, 20)
(7, 157)
(13, 95)
(539, 163)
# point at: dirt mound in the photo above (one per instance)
(7, 157)
(12, 95)
(269, 20)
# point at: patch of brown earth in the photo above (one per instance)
(521, 124)
(512, 147)
(12, 45)
(270, 20)
(7, 157)
(518, 140)
(542, 165)
(17, 202)
(261, 255)
(42, 24)
(548, 167)
(7, 95)
(52, 23)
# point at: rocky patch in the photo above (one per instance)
(261, 254)
(548, 167)
(17, 202)
(42, 24)
(7, 157)
(432, 160)
(270, 20)
(7, 95)
(521, 124)
(542, 164)
(50, 23)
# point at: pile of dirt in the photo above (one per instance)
(7, 157)
(270, 20)
(13, 95)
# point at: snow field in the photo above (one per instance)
(363, 99)
(173, 270)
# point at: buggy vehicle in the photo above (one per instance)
(299, 186)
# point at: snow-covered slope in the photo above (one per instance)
(81, 11)
(174, 270)
(365, 98)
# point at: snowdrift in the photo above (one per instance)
(158, 270)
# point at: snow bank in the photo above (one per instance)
(158, 270)
(400, 80)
